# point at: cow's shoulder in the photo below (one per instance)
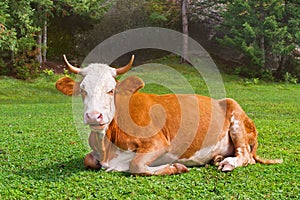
(121, 139)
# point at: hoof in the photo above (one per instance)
(91, 163)
(217, 159)
(180, 168)
(227, 168)
(228, 164)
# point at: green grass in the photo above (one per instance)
(41, 153)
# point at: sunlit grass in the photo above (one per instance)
(41, 153)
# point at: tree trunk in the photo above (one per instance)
(185, 30)
(262, 37)
(45, 42)
(263, 53)
(39, 48)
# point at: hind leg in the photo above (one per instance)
(242, 130)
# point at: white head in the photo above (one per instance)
(97, 89)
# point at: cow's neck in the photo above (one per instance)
(102, 143)
(96, 142)
(105, 144)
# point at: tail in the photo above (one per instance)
(266, 161)
(260, 160)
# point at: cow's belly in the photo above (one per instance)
(203, 156)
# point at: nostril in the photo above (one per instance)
(99, 117)
(87, 116)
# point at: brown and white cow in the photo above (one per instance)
(150, 134)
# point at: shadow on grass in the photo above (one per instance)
(61, 171)
(57, 171)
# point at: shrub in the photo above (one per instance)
(3, 67)
(25, 67)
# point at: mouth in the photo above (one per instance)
(97, 126)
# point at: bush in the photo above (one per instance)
(25, 67)
(3, 67)
(289, 78)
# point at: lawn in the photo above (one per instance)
(41, 152)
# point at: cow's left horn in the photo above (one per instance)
(71, 67)
(124, 69)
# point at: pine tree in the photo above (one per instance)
(266, 31)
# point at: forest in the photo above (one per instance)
(255, 39)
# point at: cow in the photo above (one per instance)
(149, 134)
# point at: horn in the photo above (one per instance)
(71, 67)
(125, 68)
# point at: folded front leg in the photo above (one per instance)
(140, 165)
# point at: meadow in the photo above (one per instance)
(41, 153)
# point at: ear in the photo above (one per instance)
(129, 86)
(67, 86)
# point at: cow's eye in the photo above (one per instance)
(111, 92)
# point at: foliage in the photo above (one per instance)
(7, 35)
(267, 32)
(92, 8)
(121, 16)
(290, 78)
(26, 68)
(207, 12)
(25, 65)
(21, 21)
(48, 72)
(41, 153)
(3, 69)
(163, 12)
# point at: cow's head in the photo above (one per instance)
(97, 89)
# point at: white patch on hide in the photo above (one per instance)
(234, 124)
(239, 151)
(164, 159)
(205, 155)
(121, 162)
(152, 170)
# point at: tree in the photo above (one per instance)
(163, 12)
(8, 36)
(266, 31)
(185, 29)
(17, 41)
(208, 13)
(23, 24)
(42, 16)
(48, 9)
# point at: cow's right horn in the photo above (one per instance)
(71, 67)
(124, 69)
